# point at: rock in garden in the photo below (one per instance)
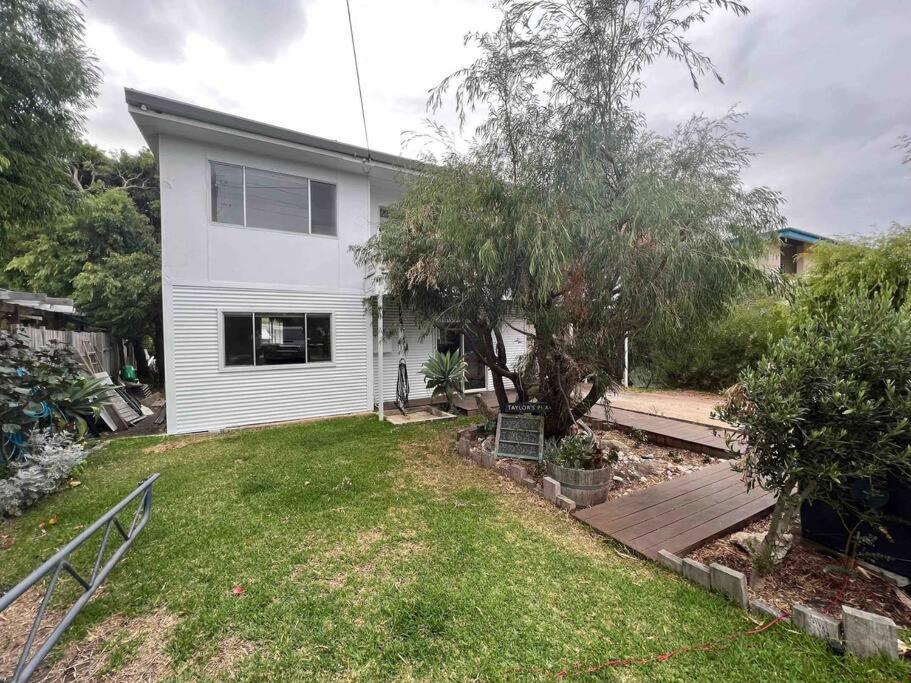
(750, 543)
(650, 467)
(815, 623)
(490, 414)
(868, 635)
(611, 446)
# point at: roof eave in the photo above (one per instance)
(142, 102)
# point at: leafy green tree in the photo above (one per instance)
(121, 292)
(867, 265)
(47, 80)
(713, 358)
(106, 257)
(101, 224)
(135, 173)
(567, 210)
(828, 408)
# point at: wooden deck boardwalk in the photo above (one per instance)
(681, 514)
(669, 431)
(664, 431)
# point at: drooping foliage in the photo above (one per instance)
(866, 265)
(47, 80)
(567, 211)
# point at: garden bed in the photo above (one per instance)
(641, 463)
(809, 575)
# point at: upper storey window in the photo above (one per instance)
(276, 201)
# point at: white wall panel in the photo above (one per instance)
(204, 396)
(516, 345)
(420, 349)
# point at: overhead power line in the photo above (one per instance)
(357, 71)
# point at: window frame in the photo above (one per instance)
(223, 367)
(308, 233)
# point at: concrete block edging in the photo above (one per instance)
(863, 634)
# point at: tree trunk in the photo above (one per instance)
(480, 337)
(502, 361)
(591, 398)
(787, 507)
(142, 365)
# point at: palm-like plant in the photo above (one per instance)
(445, 374)
(74, 404)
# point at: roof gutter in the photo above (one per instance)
(170, 108)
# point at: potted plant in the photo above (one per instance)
(445, 374)
(583, 468)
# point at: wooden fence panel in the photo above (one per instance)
(104, 343)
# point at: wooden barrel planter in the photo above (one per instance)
(585, 487)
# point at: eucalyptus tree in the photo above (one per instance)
(567, 210)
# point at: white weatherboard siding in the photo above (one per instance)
(420, 347)
(419, 350)
(516, 345)
(210, 267)
(204, 396)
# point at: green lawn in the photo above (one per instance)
(372, 553)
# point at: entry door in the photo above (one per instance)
(453, 341)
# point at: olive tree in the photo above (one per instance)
(566, 210)
(828, 408)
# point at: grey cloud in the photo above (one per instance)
(826, 87)
(249, 30)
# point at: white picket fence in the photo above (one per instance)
(104, 343)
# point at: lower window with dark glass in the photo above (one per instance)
(253, 339)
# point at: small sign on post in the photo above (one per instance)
(520, 436)
(526, 408)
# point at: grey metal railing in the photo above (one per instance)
(60, 562)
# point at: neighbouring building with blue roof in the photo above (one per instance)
(792, 251)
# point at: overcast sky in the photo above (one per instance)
(826, 85)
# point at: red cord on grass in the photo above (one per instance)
(664, 656)
(709, 646)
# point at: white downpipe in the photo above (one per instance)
(379, 346)
(626, 362)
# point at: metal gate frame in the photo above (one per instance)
(59, 562)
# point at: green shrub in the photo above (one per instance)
(579, 451)
(830, 405)
(712, 357)
(44, 387)
(866, 265)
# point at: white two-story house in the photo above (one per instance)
(264, 307)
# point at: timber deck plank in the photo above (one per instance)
(681, 514)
